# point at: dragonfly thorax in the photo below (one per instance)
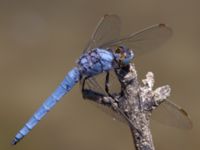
(96, 61)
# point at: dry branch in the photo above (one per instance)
(135, 103)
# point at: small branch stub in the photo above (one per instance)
(135, 104)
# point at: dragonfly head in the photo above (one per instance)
(123, 55)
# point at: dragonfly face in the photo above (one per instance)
(123, 55)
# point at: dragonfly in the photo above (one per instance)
(106, 51)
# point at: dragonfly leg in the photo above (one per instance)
(107, 84)
(83, 85)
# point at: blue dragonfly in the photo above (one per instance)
(105, 52)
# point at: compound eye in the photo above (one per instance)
(117, 50)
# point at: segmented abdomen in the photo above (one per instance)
(66, 85)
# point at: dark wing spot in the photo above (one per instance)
(162, 25)
(184, 112)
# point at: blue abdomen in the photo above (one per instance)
(65, 86)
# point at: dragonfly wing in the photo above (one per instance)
(107, 30)
(171, 114)
(144, 40)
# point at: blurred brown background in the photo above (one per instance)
(40, 41)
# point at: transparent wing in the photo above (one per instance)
(167, 113)
(144, 40)
(170, 114)
(107, 30)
